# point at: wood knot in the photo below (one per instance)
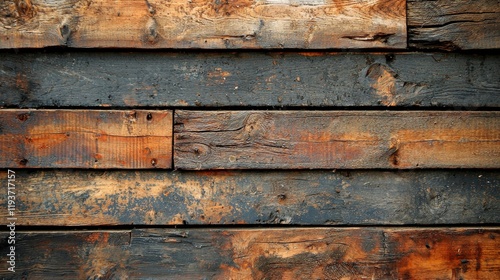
(23, 162)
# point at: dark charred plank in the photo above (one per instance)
(291, 253)
(94, 198)
(85, 139)
(335, 139)
(93, 79)
(454, 25)
(315, 24)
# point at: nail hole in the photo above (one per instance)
(23, 117)
(23, 162)
(149, 117)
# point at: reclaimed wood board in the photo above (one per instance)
(336, 139)
(286, 253)
(286, 79)
(454, 25)
(85, 139)
(94, 198)
(256, 24)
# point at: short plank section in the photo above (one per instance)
(85, 139)
(314, 24)
(454, 25)
(92, 79)
(336, 139)
(93, 198)
(291, 253)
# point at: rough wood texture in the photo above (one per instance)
(85, 139)
(292, 253)
(454, 25)
(83, 79)
(336, 139)
(314, 24)
(68, 198)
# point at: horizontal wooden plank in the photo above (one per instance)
(291, 253)
(94, 198)
(336, 139)
(85, 139)
(454, 25)
(314, 24)
(83, 79)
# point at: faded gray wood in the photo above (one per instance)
(454, 25)
(103, 79)
(92, 198)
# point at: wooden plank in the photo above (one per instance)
(91, 79)
(454, 25)
(94, 198)
(291, 253)
(85, 139)
(311, 24)
(336, 139)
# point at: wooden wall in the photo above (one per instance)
(250, 139)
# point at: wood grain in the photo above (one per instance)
(309, 24)
(454, 25)
(291, 253)
(151, 79)
(85, 139)
(94, 198)
(336, 139)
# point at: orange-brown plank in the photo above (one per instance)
(336, 139)
(85, 139)
(313, 24)
(291, 253)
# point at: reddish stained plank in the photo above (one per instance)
(336, 139)
(85, 139)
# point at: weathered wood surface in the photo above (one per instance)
(314, 24)
(291, 253)
(85, 139)
(336, 139)
(68, 198)
(454, 25)
(90, 79)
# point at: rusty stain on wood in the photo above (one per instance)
(203, 24)
(85, 139)
(341, 139)
(292, 253)
(92, 198)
